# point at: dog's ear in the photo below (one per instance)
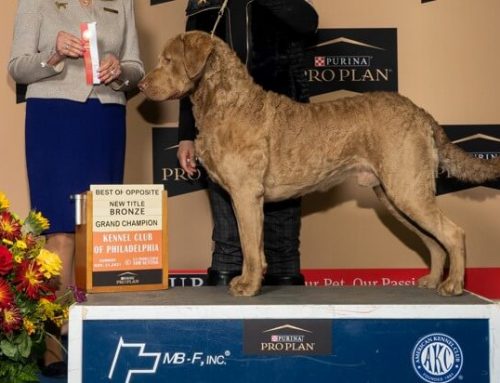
(197, 49)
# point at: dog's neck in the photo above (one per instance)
(225, 81)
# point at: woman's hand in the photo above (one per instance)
(68, 45)
(110, 69)
(186, 156)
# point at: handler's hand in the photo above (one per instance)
(186, 156)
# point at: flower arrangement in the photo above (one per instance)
(28, 302)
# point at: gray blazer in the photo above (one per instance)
(36, 27)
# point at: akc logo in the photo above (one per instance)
(437, 358)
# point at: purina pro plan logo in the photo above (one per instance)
(355, 60)
(437, 358)
(287, 337)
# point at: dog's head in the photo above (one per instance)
(180, 65)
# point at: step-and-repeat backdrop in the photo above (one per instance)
(442, 54)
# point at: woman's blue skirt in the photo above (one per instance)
(69, 146)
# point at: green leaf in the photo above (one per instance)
(25, 345)
(18, 372)
(8, 348)
(28, 373)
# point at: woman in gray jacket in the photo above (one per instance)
(75, 130)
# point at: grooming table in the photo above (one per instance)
(287, 334)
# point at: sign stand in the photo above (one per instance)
(121, 239)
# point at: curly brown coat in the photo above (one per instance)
(261, 146)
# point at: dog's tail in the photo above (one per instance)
(462, 165)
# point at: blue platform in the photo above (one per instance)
(287, 334)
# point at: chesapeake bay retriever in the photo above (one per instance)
(261, 146)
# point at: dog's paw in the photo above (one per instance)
(451, 287)
(240, 287)
(429, 281)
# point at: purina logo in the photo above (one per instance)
(127, 278)
(357, 60)
(343, 61)
(166, 168)
(437, 358)
(287, 341)
(482, 141)
(291, 337)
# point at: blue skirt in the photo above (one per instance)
(69, 146)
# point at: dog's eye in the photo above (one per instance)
(167, 60)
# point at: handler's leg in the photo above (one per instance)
(282, 222)
(227, 258)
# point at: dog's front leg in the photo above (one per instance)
(248, 209)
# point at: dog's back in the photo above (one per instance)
(315, 146)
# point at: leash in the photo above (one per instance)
(219, 16)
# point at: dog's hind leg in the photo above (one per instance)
(248, 209)
(437, 252)
(420, 207)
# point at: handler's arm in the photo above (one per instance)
(187, 129)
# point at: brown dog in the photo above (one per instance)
(261, 146)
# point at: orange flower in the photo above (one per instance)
(10, 319)
(6, 296)
(29, 279)
(10, 227)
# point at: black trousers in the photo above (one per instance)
(281, 234)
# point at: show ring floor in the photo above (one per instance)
(286, 334)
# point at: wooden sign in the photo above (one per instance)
(121, 241)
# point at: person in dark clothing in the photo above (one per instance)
(269, 36)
